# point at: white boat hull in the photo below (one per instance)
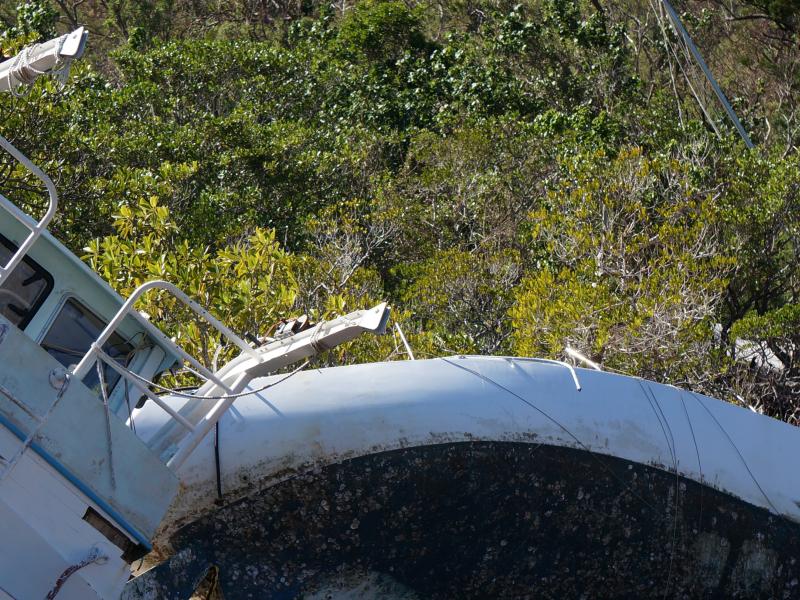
(391, 470)
(44, 537)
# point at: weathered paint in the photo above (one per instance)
(43, 533)
(73, 279)
(73, 437)
(320, 417)
(484, 520)
(391, 436)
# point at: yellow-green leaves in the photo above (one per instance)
(634, 268)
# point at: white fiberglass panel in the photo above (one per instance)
(325, 416)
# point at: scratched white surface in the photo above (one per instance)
(323, 416)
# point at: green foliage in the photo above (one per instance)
(630, 271)
(379, 31)
(250, 284)
(514, 178)
(784, 12)
(140, 21)
(462, 299)
(780, 324)
(36, 18)
(763, 233)
(35, 21)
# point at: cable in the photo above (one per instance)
(128, 404)
(6, 592)
(217, 466)
(104, 393)
(143, 344)
(653, 401)
(697, 452)
(555, 421)
(175, 392)
(738, 452)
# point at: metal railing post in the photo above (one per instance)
(87, 361)
(35, 228)
(105, 358)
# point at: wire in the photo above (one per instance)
(175, 392)
(697, 452)
(665, 427)
(128, 404)
(555, 421)
(104, 392)
(217, 466)
(738, 452)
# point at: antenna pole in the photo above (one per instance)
(678, 25)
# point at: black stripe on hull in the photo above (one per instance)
(485, 520)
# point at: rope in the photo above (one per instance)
(101, 376)
(128, 404)
(142, 345)
(24, 73)
(93, 557)
(29, 440)
(318, 346)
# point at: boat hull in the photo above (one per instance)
(484, 478)
(486, 520)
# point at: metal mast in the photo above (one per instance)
(681, 30)
(47, 58)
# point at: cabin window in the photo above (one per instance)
(25, 288)
(71, 335)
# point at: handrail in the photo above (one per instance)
(142, 388)
(212, 399)
(88, 360)
(36, 229)
(275, 355)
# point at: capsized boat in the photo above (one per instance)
(482, 477)
(458, 477)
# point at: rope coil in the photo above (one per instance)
(22, 73)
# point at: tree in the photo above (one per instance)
(633, 272)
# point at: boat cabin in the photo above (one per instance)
(53, 310)
(60, 303)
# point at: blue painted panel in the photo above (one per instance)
(75, 436)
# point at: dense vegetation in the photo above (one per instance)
(513, 178)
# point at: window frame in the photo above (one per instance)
(40, 270)
(85, 307)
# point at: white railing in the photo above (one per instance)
(203, 408)
(35, 228)
(86, 363)
(212, 399)
(96, 352)
(32, 62)
(273, 356)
